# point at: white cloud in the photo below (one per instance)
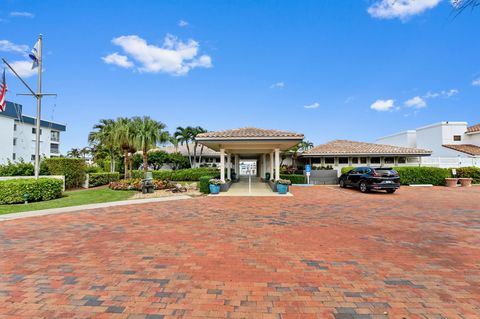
(476, 82)
(383, 105)
(7, 46)
(279, 85)
(443, 93)
(416, 102)
(118, 59)
(182, 23)
(23, 68)
(174, 56)
(312, 106)
(402, 9)
(22, 14)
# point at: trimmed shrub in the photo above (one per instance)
(470, 172)
(97, 179)
(347, 169)
(72, 168)
(17, 169)
(294, 178)
(422, 175)
(89, 169)
(189, 174)
(204, 182)
(12, 191)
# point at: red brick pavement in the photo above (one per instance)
(324, 253)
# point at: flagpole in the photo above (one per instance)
(39, 109)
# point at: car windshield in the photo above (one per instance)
(386, 172)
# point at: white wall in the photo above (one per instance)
(6, 139)
(432, 137)
(403, 139)
(473, 139)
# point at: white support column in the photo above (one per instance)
(264, 165)
(222, 164)
(229, 166)
(237, 165)
(277, 164)
(271, 165)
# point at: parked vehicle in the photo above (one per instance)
(369, 178)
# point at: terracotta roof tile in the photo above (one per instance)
(182, 149)
(249, 132)
(473, 128)
(345, 147)
(464, 148)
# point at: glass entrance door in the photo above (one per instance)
(248, 167)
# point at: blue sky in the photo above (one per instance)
(330, 69)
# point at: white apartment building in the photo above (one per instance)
(453, 144)
(17, 138)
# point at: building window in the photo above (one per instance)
(15, 126)
(354, 160)
(34, 131)
(329, 160)
(389, 160)
(14, 141)
(14, 156)
(457, 138)
(375, 160)
(363, 160)
(402, 160)
(55, 136)
(343, 160)
(54, 148)
(316, 160)
(32, 158)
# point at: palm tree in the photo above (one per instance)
(74, 152)
(148, 133)
(103, 137)
(184, 135)
(124, 133)
(302, 146)
(195, 131)
(85, 151)
(172, 139)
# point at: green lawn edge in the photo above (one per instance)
(71, 198)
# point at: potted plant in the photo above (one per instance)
(214, 185)
(282, 186)
(465, 182)
(451, 182)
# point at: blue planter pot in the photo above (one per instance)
(282, 189)
(214, 189)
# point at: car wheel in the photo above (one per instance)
(363, 187)
(342, 183)
(391, 191)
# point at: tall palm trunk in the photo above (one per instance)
(200, 156)
(145, 162)
(189, 156)
(125, 162)
(194, 154)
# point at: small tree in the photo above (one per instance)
(157, 159)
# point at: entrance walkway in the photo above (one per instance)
(257, 188)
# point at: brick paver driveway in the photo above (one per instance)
(324, 253)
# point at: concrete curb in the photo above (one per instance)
(61, 210)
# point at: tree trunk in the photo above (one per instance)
(125, 163)
(189, 157)
(200, 156)
(145, 162)
(194, 153)
(130, 164)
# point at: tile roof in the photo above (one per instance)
(249, 132)
(464, 148)
(345, 147)
(473, 129)
(182, 149)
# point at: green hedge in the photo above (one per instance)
(204, 181)
(17, 169)
(72, 168)
(189, 174)
(12, 191)
(470, 172)
(418, 174)
(97, 179)
(422, 175)
(294, 178)
(347, 169)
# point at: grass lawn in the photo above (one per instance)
(92, 196)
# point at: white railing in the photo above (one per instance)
(449, 162)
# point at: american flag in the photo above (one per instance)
(3, 92)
